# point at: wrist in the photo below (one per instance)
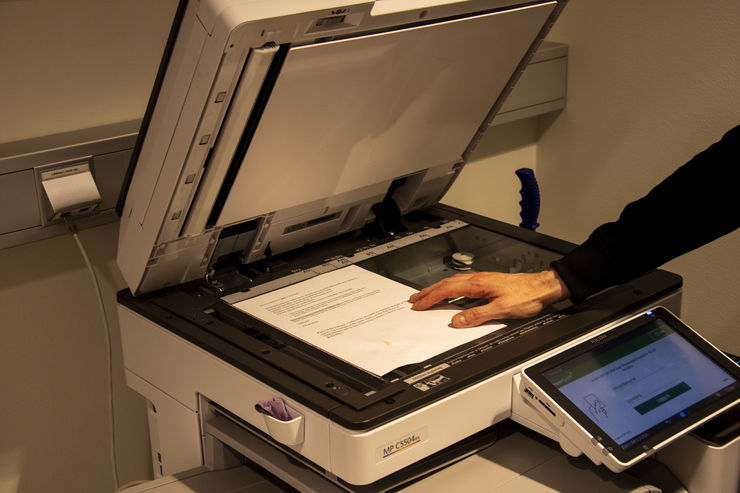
(554, 287)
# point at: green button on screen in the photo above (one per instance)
(662, 398)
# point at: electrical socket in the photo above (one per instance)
(66, 188)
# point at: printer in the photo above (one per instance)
(286, 140)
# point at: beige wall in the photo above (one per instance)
(75, 64)
(54, 414)
(67, 66)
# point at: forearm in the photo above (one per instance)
(690, 208)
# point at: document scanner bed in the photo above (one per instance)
(286, 139)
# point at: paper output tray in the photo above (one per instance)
(360, 400)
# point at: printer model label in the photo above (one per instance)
(400, 444)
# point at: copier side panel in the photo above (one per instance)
(174, 429)
(183, 371)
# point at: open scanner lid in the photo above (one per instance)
(275, 124)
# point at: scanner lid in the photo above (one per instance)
(278, 124)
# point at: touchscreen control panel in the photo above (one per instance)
(628, 391)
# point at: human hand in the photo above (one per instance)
(509, 295)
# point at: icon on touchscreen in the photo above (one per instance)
(596, 407)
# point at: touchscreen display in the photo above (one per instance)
(640, 382)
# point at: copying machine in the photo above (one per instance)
(290, 164)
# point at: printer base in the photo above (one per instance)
(520, 461)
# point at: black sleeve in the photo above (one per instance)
(698, 203)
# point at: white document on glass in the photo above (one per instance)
(361, 317)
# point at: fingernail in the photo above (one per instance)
(460, 319)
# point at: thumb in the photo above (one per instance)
(474, 316)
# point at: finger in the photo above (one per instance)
(424, 292)
(425, 300)
(436, 293)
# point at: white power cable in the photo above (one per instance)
(109, 351)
